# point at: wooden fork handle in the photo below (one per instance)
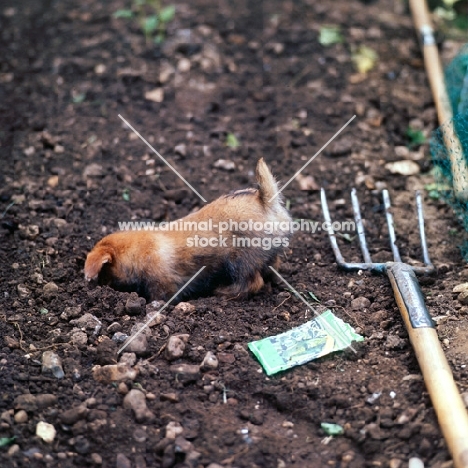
(446, 400)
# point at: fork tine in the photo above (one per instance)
(360, 227)
(331, 233)
(391, 227)
(422, 233)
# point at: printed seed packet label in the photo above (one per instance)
(319, 337)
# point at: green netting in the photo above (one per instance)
(456, 78)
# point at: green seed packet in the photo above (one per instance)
(319, 337)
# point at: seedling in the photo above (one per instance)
(126, 194)
(152, 17)
(232, 141)
(415, 137)
(330, 35)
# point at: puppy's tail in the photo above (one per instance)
(268, 188)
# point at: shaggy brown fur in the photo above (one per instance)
(156, 264)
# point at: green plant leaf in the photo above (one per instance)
(332, 429)
(330, 35)
(159, 39)
(4, 441)
(167, 14)
(232, 141)
(364, 59)
(127, 14)
(415, 137)
(79, 98)
(149, 25)
(313, 296)
(126, 194)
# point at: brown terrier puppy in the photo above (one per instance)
(236, 238)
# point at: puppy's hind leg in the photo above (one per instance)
(243, 289)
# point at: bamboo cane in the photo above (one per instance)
(422, 21)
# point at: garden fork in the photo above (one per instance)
(438, 377)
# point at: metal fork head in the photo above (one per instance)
(368, 264)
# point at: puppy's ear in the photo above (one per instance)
(94, 261)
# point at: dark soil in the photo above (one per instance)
(71, 170)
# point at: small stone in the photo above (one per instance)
(122, 388)
(415, 463)
(26, 402)
(11, 342)
(93, 170)
(460, 288)
(175, 347)
(463, 297)
(257, 417)
(210, 362)
(114, 373)
(96, 459)
(23, 291)
(135, 304)
(340, 147)
(137, 344)
(71, 312)
(6, 417)
(184, 307)
(402, 151)
(106, 352)
(395, 463)
(167, 70)
(86, 321)
(406, 167)
(114, 327)
(50, 290)
(59, 149)
(307, 183)
(181, 150)
(140, 435)
(140, 461)
(154, 318)
(172, 397)
(128, 358)
(186, 372)
(173, 430)
(46, 432)
(21, 417)
(73, 415)
(216, 465)
(406, 416)
(13, 450)
(122, 461)
(227, 358)
(37, 277)
(52, 364)
(225, 164)
(155, 95)
(182, 445)
(100, 69)
(120, 337)
(394, 342)
(360, 303)
(183, 65)
(79, 338)
(82, 445)
(136, 401)
(30, 232)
